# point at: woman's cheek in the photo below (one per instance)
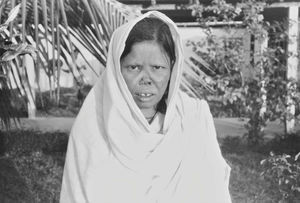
(164, 79)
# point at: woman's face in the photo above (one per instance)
(146, 70)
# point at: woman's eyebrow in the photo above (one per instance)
(133, 64)
(162, 63)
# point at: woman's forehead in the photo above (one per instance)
(148, 47)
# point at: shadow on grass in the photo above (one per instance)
(31, 166)
(13, 187)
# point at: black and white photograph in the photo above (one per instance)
(149, 101)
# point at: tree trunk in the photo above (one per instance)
(292, 65)
(261, 44)
(30, 85)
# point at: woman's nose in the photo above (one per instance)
(145, 78)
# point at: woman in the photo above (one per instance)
(138, 138)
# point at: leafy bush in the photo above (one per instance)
(225, 57)
(268, 94)
(284, 173)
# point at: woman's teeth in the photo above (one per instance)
(145, 94)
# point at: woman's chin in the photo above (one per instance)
(147, 103)
(147, 107)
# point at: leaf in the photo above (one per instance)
(30, 50)
(297, 156)
(262, 161)
(13, 14)
(21, 47)
(3, 27)
(11, 54)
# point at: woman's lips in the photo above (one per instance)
(144, 94)
(144, 97)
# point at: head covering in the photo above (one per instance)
(114, 156)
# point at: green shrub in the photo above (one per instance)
(283, 171)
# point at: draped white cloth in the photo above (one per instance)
(114, 156)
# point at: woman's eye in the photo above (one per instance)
(133, 67)
(158, 67)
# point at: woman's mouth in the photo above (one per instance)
(144, 97)
(144, 94)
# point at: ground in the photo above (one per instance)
(31, 167)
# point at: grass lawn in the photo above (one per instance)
(31, 167)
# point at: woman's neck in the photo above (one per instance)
(149, 113)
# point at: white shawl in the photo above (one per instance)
(113, 157)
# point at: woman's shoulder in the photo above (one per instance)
(86, 131)
(192, 104)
